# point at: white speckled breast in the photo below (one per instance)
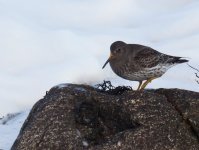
(146, 73)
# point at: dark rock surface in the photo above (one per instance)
(80, 117)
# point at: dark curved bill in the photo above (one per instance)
(106, 63)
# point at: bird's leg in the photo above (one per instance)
(146, 82)
(140, 83)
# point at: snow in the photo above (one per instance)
(44, 43)
(10, 127)
(80, 89)
(60, 86)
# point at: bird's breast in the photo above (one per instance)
(134, 74)
(123, 69)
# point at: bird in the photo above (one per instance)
(140, 63)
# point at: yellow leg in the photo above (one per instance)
(146, 82)
(140, 83)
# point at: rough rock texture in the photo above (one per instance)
(80, 117)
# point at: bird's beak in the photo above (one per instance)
(107, 61)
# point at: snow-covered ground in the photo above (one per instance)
(10, 126)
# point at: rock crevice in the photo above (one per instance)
(183, 112)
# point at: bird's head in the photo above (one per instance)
(116, 51)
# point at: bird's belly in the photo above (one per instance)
(145, 74)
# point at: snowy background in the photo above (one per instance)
(44, 43)
(48, 42)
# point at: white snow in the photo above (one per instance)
(10, 127)
(80, 89)
(43, 43)
(63, 85)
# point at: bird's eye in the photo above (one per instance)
(118, 50)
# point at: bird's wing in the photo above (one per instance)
(148, 57)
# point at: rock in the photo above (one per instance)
(80, 117)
